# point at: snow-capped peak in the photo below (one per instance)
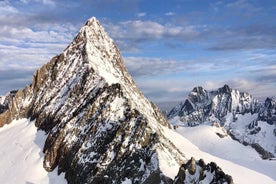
(96, 49)
(92, 20)
(97, 121)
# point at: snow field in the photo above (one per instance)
(241, 174)
(21, 155)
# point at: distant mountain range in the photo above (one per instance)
(242, 116)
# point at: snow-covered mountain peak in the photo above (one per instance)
(225, 89)
(92, 20)
(199, 89)
(95, 49)
(198, 95)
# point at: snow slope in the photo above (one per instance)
(21, 155)
(228, 149)
(240, 172)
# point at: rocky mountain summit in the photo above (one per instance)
(242, 116)
(100, 128)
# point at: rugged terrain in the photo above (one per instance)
(5, 100)
(238, 113)
(100, 128)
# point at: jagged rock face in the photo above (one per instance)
(198, 172)
(17, 106)
(268, 112)
(244, 117)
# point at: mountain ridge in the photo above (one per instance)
(100, 128)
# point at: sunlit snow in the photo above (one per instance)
(240, 173)
(21, 155)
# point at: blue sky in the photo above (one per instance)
(169, 47)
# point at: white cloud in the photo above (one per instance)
(146, 66)
(150, 30)
(26, 43)
(243, 8)
(165, 90)
(45, 2)
(169, 13)
(134, 32)
(6, 8)
(26, 34)
(141, 14)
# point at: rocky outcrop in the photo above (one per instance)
(198, 172)
(268, 112)
(16, 106)
(5, 100)
(100, 128)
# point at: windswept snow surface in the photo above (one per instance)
(21, 155)
(243, 170)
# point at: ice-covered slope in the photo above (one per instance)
(244, 118)
(21, 155)
(100, 128)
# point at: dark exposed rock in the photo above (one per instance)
(268, 112)
(6, 100)
(196, 171)
(225, 89)
(265, 154)
(157, 177)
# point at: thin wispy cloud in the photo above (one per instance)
(45, 2)
(136, 32)
(141, 14)
(244, 6)
(26, 43)
(149, 30)
(145, 67)
(169, 13)
(245, 37)
(6, 8)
